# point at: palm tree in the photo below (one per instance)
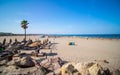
(24, 24)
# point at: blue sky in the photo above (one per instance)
(61, 16)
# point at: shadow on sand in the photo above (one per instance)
(52, 54)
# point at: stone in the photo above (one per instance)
(96, 69)
(35, 44)
(56, 65)
(28, 42)
(41, 71)
(10, 68)
(3, 62)
(52, 63)
(25, 61)
(51, 73)
(106, 71)
(68, 67)
(45, 63)
(57, 71)
(57, 59)
(83, 67)
(11, 63)
(1, 70)
(76, 73)
(116, 72)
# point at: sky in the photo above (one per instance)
(61, 16)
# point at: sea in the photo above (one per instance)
(109, 36)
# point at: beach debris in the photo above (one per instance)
(24, 61)
(6, 55)
(23, 41)
(4, 41)
(10, 41)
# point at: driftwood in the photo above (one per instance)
(10, 41)
(28, 42)
(4, 41)
(6, 55)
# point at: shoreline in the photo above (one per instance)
(47, 36)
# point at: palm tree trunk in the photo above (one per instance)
(25, 34)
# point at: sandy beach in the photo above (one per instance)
(84, 49)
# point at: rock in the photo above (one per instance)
(96, 69)
(116, 72)
(76, 73)
(106, 71)
(58, 59)
(25, 61)
(56, 65)
(35, 44)
(3, 62)
(52, 64)
(41, 71)
(10, 68)
(1, 70)
(83, 67)
(69, 67)
(51, 73)
(57, 71)
(104, 61)
(28, 42)
(11, 63)
(46, 63)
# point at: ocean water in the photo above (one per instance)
(110, 36)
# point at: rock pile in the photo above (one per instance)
(86, 68)
(52, 65)
(18, 63)
(24, 62)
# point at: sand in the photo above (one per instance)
(84, 49)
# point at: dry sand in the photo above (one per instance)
(83, 50)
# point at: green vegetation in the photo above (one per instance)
(5, 34)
